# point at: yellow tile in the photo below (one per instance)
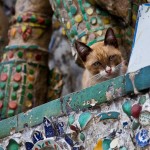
(90, 11)
(106, 21)
(68, 25)
(99, 145)
(100, 32)
(13, 32)
(78, 18)
(28, 103)
(84, 39)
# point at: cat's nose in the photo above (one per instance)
(108, 70)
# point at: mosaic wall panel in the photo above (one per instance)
(83, 21)
(21, 79)
(120, 125)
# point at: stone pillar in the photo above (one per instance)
(84, 21)
(24, 66)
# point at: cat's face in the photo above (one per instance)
(103, 57)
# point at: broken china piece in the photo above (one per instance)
(108, 115)
(84, 119)
(143, 138)
(47, 143)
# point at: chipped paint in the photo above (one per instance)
(132, 78)
(86, 130)
(91, 102)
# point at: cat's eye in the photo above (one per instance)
(97, 63)
(112, 57)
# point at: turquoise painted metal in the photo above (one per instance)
(142, 80)
(76, 101)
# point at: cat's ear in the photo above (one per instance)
(82, 49)
(110, 38)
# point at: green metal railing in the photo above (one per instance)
(121, 85)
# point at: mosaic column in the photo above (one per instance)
(24, 66)
(115, 7)
(88, 20)
(122, 10)
(83, 21)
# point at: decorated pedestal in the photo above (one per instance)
(125, 9)
(84, 22)
(88, 20)
(24, 65)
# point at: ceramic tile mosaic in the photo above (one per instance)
(122, 125)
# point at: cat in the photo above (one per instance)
(102, 60)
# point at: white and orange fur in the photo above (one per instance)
(102, 60)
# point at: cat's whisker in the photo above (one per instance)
(119, 66)
(99, 77)
(93, 78)
(96, 77)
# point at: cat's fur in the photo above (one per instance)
(102, 60)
